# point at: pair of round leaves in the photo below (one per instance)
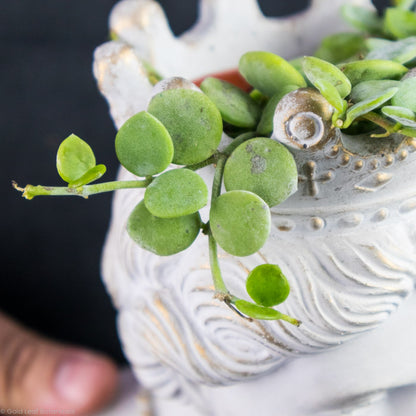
(262, 166)
(162, 236)
(193, 121)
(182, 126)
(240, 222)
(267, 286)
(75, 162)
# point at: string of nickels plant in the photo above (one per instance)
(356, 79)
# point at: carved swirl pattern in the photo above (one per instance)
(346, 241)
(177, 335)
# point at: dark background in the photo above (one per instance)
(51, 247)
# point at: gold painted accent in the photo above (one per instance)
(380, 215)
(317, 223)
(285, 228)
(351, 220)
(407, 206)
(382, 178)
(389, 160)
(345, 159)
(246, 269)
(202, 289)
(334, 150)
(359, 164)
(327, 176)
(179, 337)
(403, 155)
(388, 263)
(201, 351)
(374, 164)
(263, 256)
(270, 338)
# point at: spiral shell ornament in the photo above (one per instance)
(302, 119)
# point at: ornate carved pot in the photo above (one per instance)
(346, 242)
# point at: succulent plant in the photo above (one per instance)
(354, 81)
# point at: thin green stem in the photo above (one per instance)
(30, 191)
(289, 319)
(204, 163)
(380, 121)
(219, 284)
(237, 141)
(217, 181)
(152, 75)
(390, 127)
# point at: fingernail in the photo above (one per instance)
(76, 377)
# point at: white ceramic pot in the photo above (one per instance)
(346, 241)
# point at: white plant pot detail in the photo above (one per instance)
(346, 242)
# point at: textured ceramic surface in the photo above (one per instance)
(346, 241)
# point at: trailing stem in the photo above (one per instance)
(221, 290)
(388, 126)
(30, 191)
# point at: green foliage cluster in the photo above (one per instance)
(365, 76)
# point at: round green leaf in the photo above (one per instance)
(402, 115)
(267, 285)
(176, 193)
(240, 222)
(143, 145)
(74, 158)
(268, 72)
(92, 175)
(340, 46)
(406, 96)
(367, 89)
(162, 236)
(235, 105)
(317, 69)
(256, 311)
(193, 122)
(262, 166)
(400, 23)
(371, 69)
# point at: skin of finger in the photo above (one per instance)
(28, 364)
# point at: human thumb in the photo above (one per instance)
(39, 374)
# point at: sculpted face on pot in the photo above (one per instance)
(346, 240)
